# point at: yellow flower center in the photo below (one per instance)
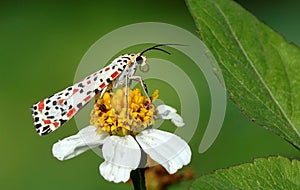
(117, 116)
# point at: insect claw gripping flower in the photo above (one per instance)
(122, 128)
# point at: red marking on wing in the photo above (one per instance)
(114, 74)
(95, 74)
(60, 101)
(102, 85)
(47, 122)
(71, 112)
(88, 82)
(87, 98)
(41, 105)
(106, 69)
(55, 124)
(75, 90)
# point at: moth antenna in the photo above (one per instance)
(159, 45)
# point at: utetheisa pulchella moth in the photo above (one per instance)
(51, 113)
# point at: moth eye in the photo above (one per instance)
(139, 60)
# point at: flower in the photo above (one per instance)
(123, 129)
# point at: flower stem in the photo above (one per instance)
(138, 178)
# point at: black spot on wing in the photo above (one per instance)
(108, 80)
(46, 130)
(79, 106)
(46, 127)
(62, 121)
(80, 85)
(38, 125)
(125, 57)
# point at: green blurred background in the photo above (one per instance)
(41, 45)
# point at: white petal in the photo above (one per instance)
(167, 112)
(74, 145)
(167, 149)
(115, 173)
(121, 154)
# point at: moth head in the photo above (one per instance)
(140, 60)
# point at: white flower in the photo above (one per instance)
(123, 154)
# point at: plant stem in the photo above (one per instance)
(138, 178)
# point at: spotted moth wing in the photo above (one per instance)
(52, 112)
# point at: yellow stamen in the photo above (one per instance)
(113, 114)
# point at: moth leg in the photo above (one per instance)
(127, 95)
(139, 79)
(103, 91)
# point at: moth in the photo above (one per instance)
(52, 112)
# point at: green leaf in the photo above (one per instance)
(260, 69)
(271, 173)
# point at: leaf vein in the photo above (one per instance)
(255, 70)
(250, 92)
